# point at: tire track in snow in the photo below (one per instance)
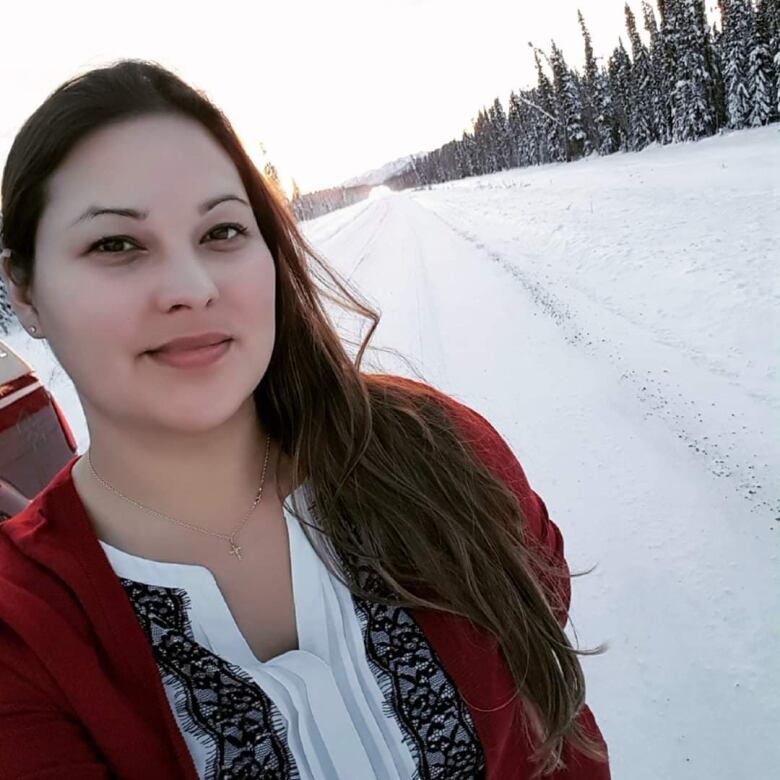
(428, 320)
(365, 251)
(683, 413)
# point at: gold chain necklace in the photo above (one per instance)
(235, 549)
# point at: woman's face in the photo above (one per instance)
(181, 270)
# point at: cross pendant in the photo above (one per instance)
(235, 549)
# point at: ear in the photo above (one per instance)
(21, 301)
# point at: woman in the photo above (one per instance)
(268, 564)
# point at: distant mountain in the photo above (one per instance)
(379, 175)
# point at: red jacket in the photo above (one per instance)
(80, 693)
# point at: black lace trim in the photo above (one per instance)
(247, 732)
(433, 718)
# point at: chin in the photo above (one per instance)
(196, 412)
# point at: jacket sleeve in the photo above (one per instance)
(541, 532)
(38, 741)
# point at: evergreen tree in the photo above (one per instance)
(516, 129)
(471, 152)
(490, 141)
(693, 99)
(533, 143)
(619, 69)
(463, 158)
(714, 81)
(716, 49)
(641, 130)
(606, 120)
(590, 107)
(500, 133)
(735, 48)
(662, 66)
(551, 147)
(769, 11)
(568, 106)
(762, 71)
(485, 158)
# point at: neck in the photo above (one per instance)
(210, 480)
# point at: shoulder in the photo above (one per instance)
(468, 419)
(474, 429)
(492, 449)
(25, 586)
(13, 533)
(32, 547)
(20, 531)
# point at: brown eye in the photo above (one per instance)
(240, 230)
(108, 241)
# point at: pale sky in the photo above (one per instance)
(330, 87)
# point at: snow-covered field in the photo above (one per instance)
(618, 321)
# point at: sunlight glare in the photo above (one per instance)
(379, 192)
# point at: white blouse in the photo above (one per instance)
(315, 713)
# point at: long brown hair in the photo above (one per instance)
(396, 486)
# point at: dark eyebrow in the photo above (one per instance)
(96, 211)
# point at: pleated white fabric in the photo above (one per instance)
(337, 723)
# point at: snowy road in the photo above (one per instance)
(687, 589)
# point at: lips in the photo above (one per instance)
(178, 350)
(190, 343)
(192, 358)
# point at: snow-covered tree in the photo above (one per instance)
(693, 98)
(641, 129)
(568, 106)
(519, 130)
(716, 43)
(500, 134)
(533, 149)
(606, 121)
(552, 147)
(462, 158)
(662, 66)
(768, 31)
(619, 68)
(736, 16)
(769, 11)
(486, 159)
(760, 75)
(472, 147)
(590, 107)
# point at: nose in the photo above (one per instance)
(186, 281)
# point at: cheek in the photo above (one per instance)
(90, 322)
(253, 293)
